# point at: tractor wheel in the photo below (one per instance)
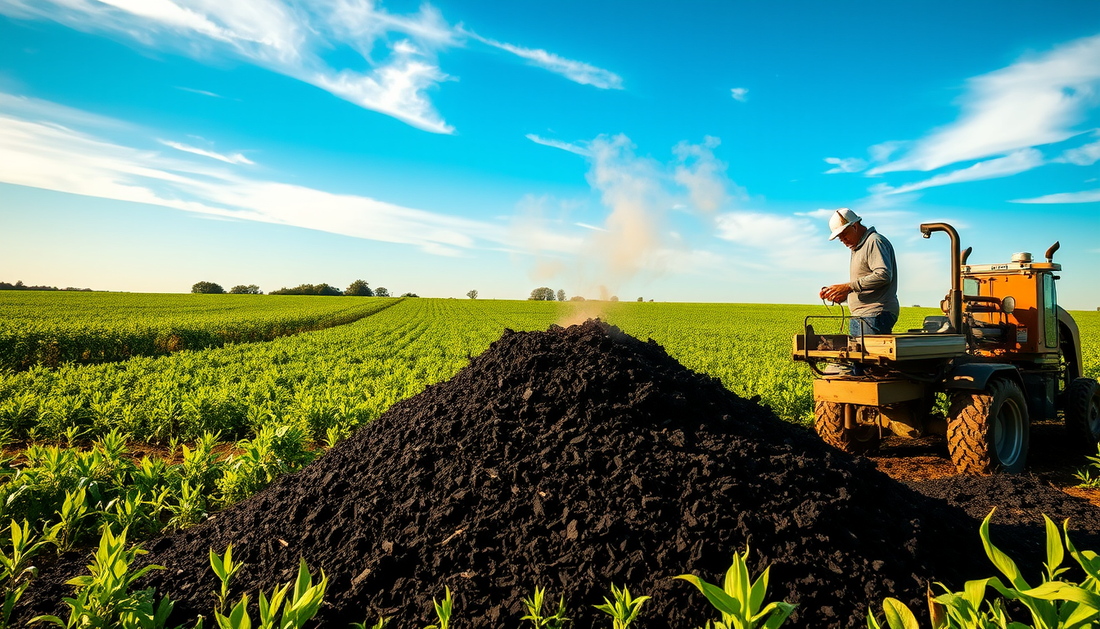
(829, 424)
(989, 432)
(1082, 412)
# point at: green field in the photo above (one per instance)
(228, 420)
(338, 378)
(53, 328)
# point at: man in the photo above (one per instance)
(872, 291)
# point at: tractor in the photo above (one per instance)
(1004, 353)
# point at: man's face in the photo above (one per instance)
(850, 236)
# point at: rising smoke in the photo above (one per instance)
(634, 239)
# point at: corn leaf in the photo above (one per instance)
(1002, 561)
(717, 596)
(1055, 552)
(898, 615)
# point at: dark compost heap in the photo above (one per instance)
(573, 459)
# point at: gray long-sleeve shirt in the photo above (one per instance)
(874, 276)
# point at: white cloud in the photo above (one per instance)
(1085, 196)
(759, 229)
(396, 89)
(576, 71)
(740, 94)
(1086, 155)
(847, 165)
(1010, 164)
(203, 92)
(819, 213)
(592, 227)
(558, 144)
(43, 154)
(282, 38)
(233, 158)
(1033, 102)
(703, 175)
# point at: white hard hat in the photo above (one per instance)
(842, 219)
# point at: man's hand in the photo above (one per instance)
(836, 293)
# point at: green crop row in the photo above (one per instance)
(106, 596)
(339, 378)
(52, 329)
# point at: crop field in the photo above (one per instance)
(223, 421)
(56, 328)
(338, 378)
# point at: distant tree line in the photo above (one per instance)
(544, 293)
(358, 288)
(19, 285)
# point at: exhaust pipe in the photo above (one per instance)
(955, 296)
(1050, 252)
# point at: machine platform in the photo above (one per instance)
(879, 347)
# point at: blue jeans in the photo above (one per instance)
(882, 323)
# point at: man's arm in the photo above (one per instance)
(881, 262)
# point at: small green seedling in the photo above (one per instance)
(741, 601)
(534, 611)
(443, 611)
(225, 568)
(624, 610)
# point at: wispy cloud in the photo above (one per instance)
(1033, 102)
(1010, 164)
(203, 92)
(1086, 155)
(845, 165)
(703, 175)
(591, 227)
(232, 158)
(39, 153)
(740, 94)
(284, 38)
(1085, 196)
(576, 71)
(558, 144)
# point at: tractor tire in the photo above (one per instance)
(1082, 412)
(989, 432)
(829, 424)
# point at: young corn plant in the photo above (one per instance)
(17, 569)
(741, 601)
(443, 610)
(624, 609)
(189, 507)
(534, 611)
(898, 616)
(103, 597)
(1054, 604)
(73, 512)
(296, 610)
(225, 568)
(1090, 474)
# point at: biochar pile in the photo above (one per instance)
(574, 459)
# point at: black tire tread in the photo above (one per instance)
(1078, 397)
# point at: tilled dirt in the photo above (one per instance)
(573, 459)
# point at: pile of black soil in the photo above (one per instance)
(573, 459)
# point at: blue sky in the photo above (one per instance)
(675, 151)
